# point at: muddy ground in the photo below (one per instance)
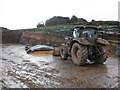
(21, 70)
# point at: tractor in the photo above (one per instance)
(84, 45)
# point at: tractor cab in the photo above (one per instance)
(89, 33)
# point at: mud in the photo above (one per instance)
(42, 38)
(21, 70)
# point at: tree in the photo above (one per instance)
(93, 22)
(73, 19)
(57, 20)
(82, 21)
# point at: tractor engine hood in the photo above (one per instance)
(84, 41)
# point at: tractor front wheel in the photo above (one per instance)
(63, 52)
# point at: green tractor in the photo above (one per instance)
(84, 45)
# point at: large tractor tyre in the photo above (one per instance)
(79, 54)
(63, 53)
(100, 59)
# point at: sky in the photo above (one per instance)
(22, 14)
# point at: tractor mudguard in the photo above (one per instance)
(102, 41)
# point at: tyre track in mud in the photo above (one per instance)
(32, 76)
(29, 73)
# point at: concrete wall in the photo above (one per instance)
(11, 36)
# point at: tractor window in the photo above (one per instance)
(89, 33)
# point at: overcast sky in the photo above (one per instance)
(17, 14)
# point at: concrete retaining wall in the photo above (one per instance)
(10, 36)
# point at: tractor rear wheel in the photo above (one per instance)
(100, 59)
(79, 54)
